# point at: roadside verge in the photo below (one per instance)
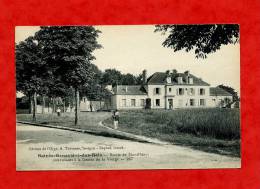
(108, 133)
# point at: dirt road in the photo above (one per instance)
(40, 148)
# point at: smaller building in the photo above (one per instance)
(90, 105)
(129, 97)
(220, 97)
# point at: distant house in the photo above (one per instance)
(168, 91)
(220, 97)
(90, 105)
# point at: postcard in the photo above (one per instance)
(127, 97)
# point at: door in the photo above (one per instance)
(148, 103)
(170, 104)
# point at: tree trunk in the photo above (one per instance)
(53, 105)
(64, 106)
(43, 104)
(90, 106)
(48, 104)
(76, 105)
(107, 105)
(30, 104)
(34, 106)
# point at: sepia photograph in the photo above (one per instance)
(120, 97)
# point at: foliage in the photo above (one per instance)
(111, 77)
(31, 69)
(231, 91)
(139, 79)
(128, 79)
(68, 51)
(114, 77)
(203, 39)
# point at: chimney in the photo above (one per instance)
(144, 76)
(187, 74)
(168, 76)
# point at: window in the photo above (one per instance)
(170, 89)
(191, 91)
(157, 90)
(142, 102)
(181, 91)
(192, 102)
(123, 102)
(157, 102)
(202, 91)
(202, 102)
(132, 102)
(168, 79)
(180, 80)
(190, 80)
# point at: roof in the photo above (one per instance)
(160, 78)
(217, 91)
(157, 78)
(129, 90)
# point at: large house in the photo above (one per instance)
(168, 91)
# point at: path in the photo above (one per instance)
(32, 139)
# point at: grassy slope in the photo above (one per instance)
(212, 130)
(87, 120)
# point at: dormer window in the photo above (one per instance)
(168, 79)
(190, 79)
(180, 80)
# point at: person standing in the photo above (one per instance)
(116, 118)
(59, 111)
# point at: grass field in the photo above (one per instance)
(212, 130)
(87, 120)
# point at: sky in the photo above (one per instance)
(133, 48)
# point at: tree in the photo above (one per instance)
(128, 79)
(57, 90)
(111, 77)
(114, 77)
(203, 39)
(92, 89)
(231, 91)
(139, 79)
(31, 70)
(68, 51)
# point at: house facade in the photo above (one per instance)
(168, 91)
(90, 105)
